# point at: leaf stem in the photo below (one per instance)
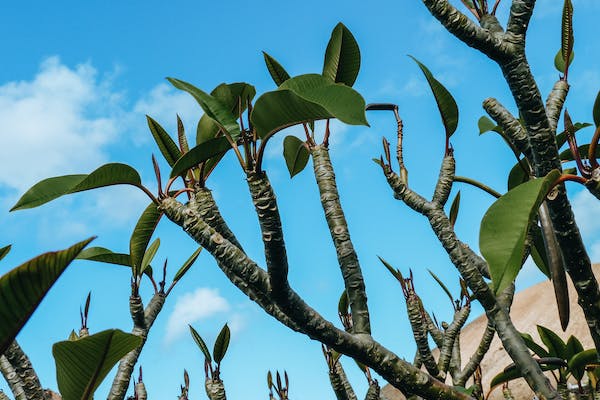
(478, 185)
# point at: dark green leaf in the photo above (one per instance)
(533, 346)
(181, 138)
(396, 272)
(81, 365)
(583, 151)
(149, 255)
(505, 225)
(187, 264)
(108, 175)
(296, 154)
(342, 57)
(596, 110)
(512, 372)
(579, 361)
(47, 190)
(343, 303)
(4, 251)
(454, 209)
(166, 145)
(556, 346)
(561, 138)
(23, 288)
(442, 285)
(487, 125)
(200, 153)
(567, 39)
(277, 72)
(303, 99)
(221, 344)
(538, 250)
(517, 176)
(141, 236)
(100, 254)
(214, 108)
(445, 102)
(559, 61)
(200, 342)
(572, 348)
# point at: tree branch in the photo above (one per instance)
(518, 21)
(555, 102)
(338, 227)
(451, 335)
(487, 41)
(265, 204)
(21, 364)
(13, 380)
(513, 130)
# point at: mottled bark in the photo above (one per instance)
(373, 391)
(265, 205)
(512, 128)
(143, 320)
(215, 390)
(30, 382)
(338, 227)
(451, 336)
(555, 102)
(11, 377)
(340, 384)
(303, 318)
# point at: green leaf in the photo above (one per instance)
(512, 372)
(23, 288)
(73, 336)
(296, 154)
(505, 225)
(100, 254)
(47, 190)
(454, 208)
(517, 176)
(442, 285)
(343, 303)
(141, 237)
(342, 57)
(108, 175)
(533, 346)
(166, 145)
(214, 108)
(445, 102)
(583, 151)
(567, 39)
(277, 72)
(579, 361)
(572, 348)
(200, 342)
(559, 61)
(221, 344)
(181, 138)
(556, 346)
(4, 251)
(561, 138)
(149, 255)
(487, 125)
(53, 188)
(303, 99)
(202, 152)
(187, 264)
(81, 365)
(538, 250)
(596, 110)
(396, 272)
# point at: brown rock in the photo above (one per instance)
(533, 306)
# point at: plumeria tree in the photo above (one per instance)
(533, 218)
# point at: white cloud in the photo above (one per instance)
(194, 306)
(57, 123)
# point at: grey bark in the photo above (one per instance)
(30, 382)
(11, 377)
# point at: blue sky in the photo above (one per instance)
(77, 79)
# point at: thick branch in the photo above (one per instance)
(518, 21)
(466, 262)
(338, 227)
(555, 102)
(143, 321)
(451, 335)
(303, 318)
(30, 382)
(512, 128)
(415, 316)
(215, 390)
(269, 219)
(13, 380)
(444, 183)
(487, 41)
(340, 384)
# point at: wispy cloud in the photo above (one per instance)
(192, 307)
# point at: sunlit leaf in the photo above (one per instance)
(342, 57)
(23, 288)
(556, 346)
(166, 145)
(149, 255)
(82, 364)
(487, 125)
(221, 344)
(202, 152)
(454, 209)
(505, 225)
(4, 251)
(579, 361)
(559, 61)
(277, 72)
(141, 236)
(101, 254)
(296, 154)
(47, 190)
(200, 342)
(445, 102)
(187, 264)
